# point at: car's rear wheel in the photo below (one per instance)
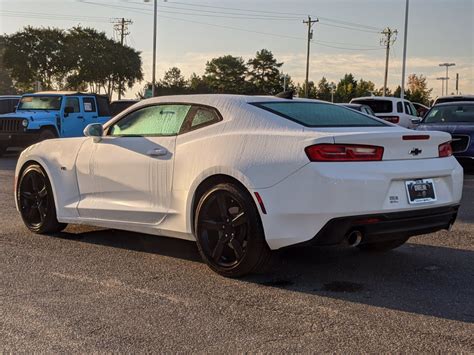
(229, 232)
(36, 201)
(383, 246)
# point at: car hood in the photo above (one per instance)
(31, 115)
(453, 128)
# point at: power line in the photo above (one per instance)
(276, 12)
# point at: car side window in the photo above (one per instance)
(399, 107)
(158, 120)
(203, 116)
(74, 103)
(408, 109)
(89, 104)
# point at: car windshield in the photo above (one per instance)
(318, 114)
(378, 106)
(40, 102)
(451, 113)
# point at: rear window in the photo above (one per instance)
(378, 106)
(315, 114)
(450, 113)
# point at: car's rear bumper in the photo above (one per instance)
(303, 204)
(386, 226)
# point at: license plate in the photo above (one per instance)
(420, 191)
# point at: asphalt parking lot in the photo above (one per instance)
(88, 290)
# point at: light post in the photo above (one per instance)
(333, 88)
(447, 65)
(442, 84)
(155, 18)
(402, 92)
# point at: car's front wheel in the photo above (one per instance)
(229, 232)
(383, 246)
(36, 201)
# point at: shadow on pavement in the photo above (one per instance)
(415, 278)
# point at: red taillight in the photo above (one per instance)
(416, 137)
(392, 119)
(445, 150)
(344, 152)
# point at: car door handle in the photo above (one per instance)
(81, 117)
(157, 152)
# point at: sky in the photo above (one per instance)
(346, 39)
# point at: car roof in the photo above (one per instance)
(351, 105)
(455, 96)
(451, 103)
(64, 93)
(10, 96)
(378, 98)
(220, 99)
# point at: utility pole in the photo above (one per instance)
(442, 83)
(333, 89)
(121, 27)
(457, 83)
(387, 41)
(310, 23)
(447, 65)
(405, 35)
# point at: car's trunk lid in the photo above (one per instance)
(398, 145)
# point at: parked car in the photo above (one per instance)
(53, 114)
(456, 118)
(453, 98)
(391, 109)
(8, 103)
(244, 175)
(420, 109)
(361, 108)
(118, 106)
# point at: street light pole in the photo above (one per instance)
(155, 19)
(402, 92)
(447, 65)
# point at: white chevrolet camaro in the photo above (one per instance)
(244, 175)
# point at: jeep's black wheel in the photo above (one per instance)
(383, 246)
(46, 134)
(36, 201)
(229, 233)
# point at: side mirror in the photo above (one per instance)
(416, 121)
(94, 130)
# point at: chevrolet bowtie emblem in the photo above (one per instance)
(415, 151)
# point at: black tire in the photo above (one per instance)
(229, 232)
(47, 133)
(36, 201)
(383, 246)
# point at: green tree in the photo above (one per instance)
(99, 63)
(418, 88)
(323, 90)
(364, 88)
(264, 73)
(226, 74)
(198, 85)
(36, 54)
(312, 91)
(346, 89)
(6, 83)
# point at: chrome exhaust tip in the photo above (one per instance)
(354, 238)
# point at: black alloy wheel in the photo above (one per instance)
(36, 203)
(228, 231)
